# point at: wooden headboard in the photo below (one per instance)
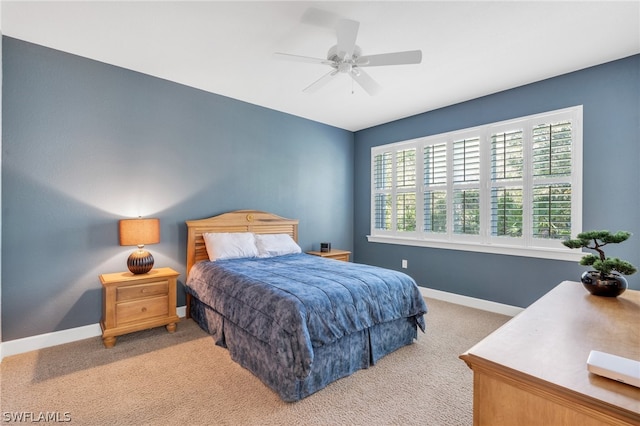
(237, 221)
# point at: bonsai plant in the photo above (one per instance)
(606, 279)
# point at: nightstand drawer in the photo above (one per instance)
(137, 310)
(143, 290)
(342, 257)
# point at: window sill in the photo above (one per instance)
(538, 252)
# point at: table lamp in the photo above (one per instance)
(138, 232)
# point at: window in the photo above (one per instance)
(513, 187)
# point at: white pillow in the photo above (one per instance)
(230, 245)
(270, 245)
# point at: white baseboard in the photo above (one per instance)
(472, 302)
(41, 341)
(32, 343)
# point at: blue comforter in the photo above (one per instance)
(297, 302)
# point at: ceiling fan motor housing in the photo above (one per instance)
(332, 55)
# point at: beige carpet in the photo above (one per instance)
(156, 378)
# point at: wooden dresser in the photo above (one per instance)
(533, 370)
(137, 302)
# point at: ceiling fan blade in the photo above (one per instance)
(396, 58)
(366, 82)
(321, 18)
(320, 82)
(298, 58)
(347, 31)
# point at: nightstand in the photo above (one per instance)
(137, 302)
(333, 254)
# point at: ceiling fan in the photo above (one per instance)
(346, 58)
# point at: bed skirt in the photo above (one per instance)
(330, 362)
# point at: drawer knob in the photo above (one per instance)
(144, 309)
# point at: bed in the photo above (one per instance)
(296, 321)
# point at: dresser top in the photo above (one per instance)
(549, 343)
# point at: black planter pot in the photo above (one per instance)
(612, 285)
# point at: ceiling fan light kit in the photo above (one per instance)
(346, 58)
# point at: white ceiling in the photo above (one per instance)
(470, 49)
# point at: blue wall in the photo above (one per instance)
(610, 94)
(86, 144)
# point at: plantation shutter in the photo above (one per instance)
(507, 168)
(382, 182)
(551, 163)
(406, 190)
(466, 191)
(435, 192)
(466, 160)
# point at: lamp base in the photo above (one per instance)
(140, 262)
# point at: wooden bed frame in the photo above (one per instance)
(254, 221)
(331, 361)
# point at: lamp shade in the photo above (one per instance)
(134, 232)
